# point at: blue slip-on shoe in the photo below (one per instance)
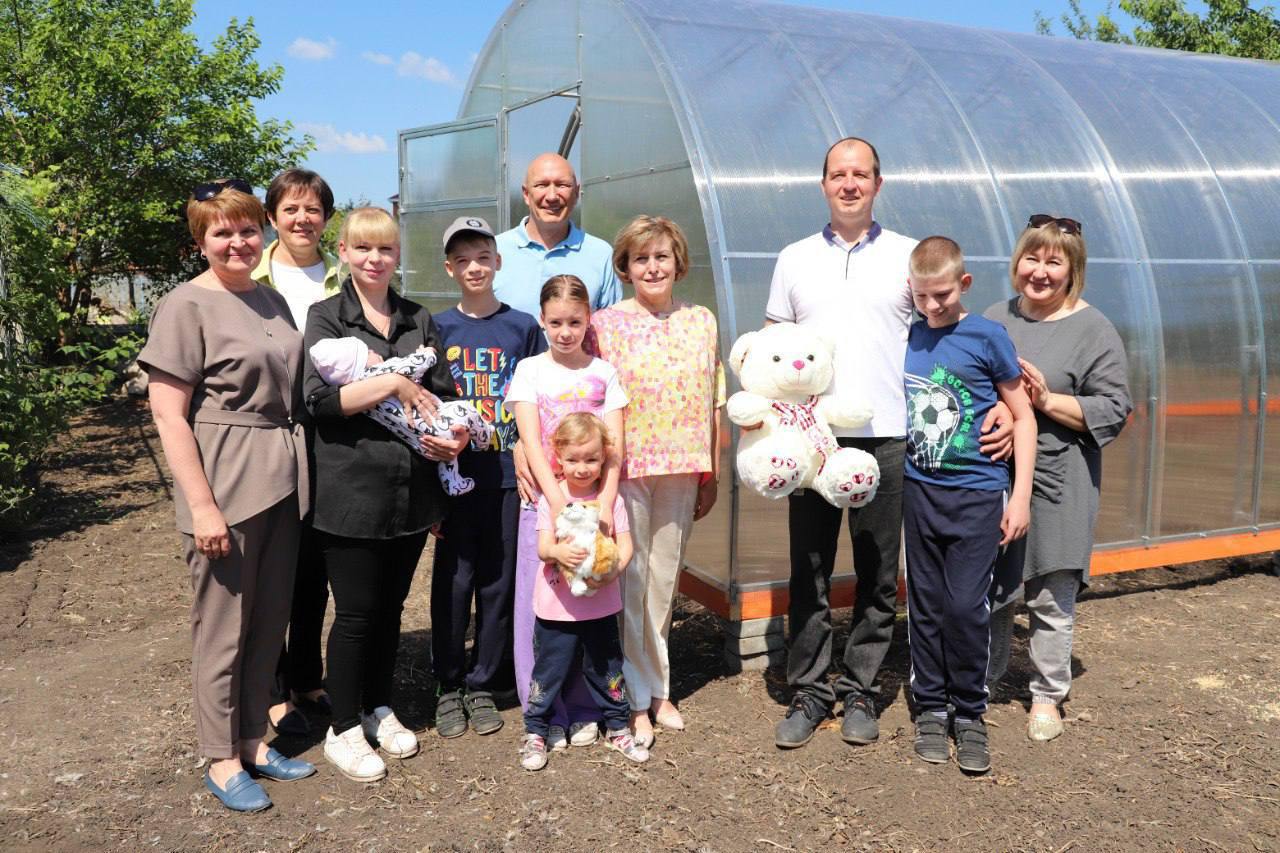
(281, 768)
(241, 795)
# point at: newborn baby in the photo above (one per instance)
(341, 361)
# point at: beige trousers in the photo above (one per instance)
(238, 619)
(660, 510)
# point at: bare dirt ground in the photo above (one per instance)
(1173, 741)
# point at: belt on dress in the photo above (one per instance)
(226, 417)
(295, 438)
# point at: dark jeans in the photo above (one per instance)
(952, 536)
(370, 579)
(557, 649)
(300, 668)
(875, 531)
(475, 558)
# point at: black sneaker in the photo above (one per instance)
(484, 715)
(972, 752)
(803, 716)
(860, 725)
(451, 716)
(931, 738)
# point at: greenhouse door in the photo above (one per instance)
(446, 171)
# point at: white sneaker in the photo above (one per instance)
(394, 739)
(622, 741)
(533, 752)
(350, 753)
(583, 734)
(556, 741)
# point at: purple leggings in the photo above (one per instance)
(574, 704)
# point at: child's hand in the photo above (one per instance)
(1016, 520)
(373, 360)
(567, 557)
(525, 484)
(606, 520)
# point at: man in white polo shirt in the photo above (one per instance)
(850, 279)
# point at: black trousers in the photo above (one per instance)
(557, 649)
(475, 558)
(370, 579)
(952, 536)
(300, 668)
(875, 532)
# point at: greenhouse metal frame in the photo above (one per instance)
(717, 114)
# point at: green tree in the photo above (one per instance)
(114, 111)
(1228, 27)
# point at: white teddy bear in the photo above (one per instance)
(784, 370)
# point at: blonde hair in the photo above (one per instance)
(1053, 238)
(230, 204)
(642, 231)
(567, 287)
(579, 428)
(937, 257)
(369, 224)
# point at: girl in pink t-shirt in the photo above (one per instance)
(544, 389)
(577, 632)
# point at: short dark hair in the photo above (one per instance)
(290, 180)
(875, 155)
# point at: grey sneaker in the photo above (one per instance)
(860, 725)
(451, 717)
(972, 752)
(484, 715)
(803, 716)
(931, 738)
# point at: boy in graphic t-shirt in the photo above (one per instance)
(475, 556)
(955, 515)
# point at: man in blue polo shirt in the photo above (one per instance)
(547, 242)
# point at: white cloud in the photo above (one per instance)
(377, 58)
(413, 64)
(329, 139)
(305, 48)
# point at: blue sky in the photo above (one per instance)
(356, 73)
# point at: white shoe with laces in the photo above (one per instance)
(556, 740)
(583, 734)
(391, 735)
(622, 741)
(351, 754)
(533, 752)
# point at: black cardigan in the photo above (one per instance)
(368, 483)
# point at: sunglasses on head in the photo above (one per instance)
(204, 192)
(1066, 226)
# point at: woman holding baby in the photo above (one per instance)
(376, 498)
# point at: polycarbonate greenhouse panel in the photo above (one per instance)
(718, 113)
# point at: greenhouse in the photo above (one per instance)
(717, 115)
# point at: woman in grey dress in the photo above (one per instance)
(225, 368)
(1074, 370)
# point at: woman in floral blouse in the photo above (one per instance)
(666, 354)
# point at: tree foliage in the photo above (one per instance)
(1228, 27)
(114, 111)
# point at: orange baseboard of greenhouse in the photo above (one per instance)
(764, 603)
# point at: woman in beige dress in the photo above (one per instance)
(225, 367)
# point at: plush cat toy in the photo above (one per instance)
(341, 361)
(784, 371)
(579, 524)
